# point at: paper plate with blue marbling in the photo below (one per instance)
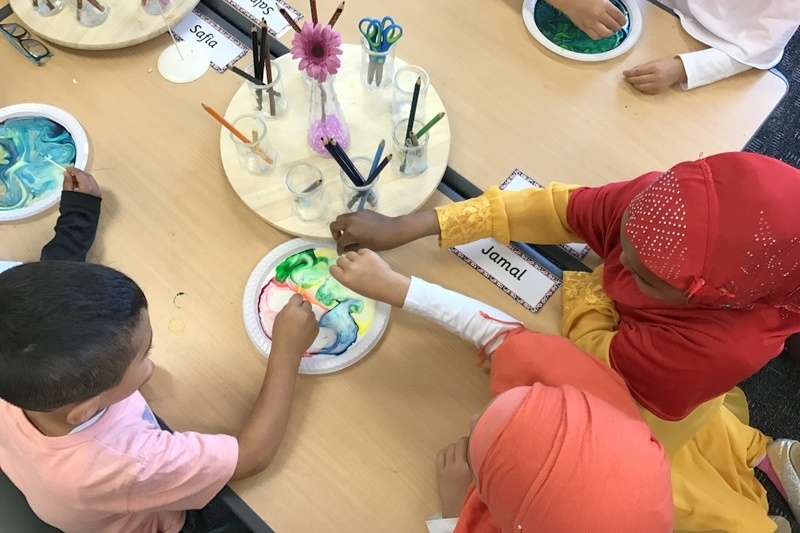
(558, 34)
(29, 135)
(349, 324)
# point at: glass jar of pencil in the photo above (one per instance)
(269, 98)
(156, 7)
(90, 13)
(255, 151)
(46, 8)
(358, 195)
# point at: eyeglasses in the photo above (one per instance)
(20, 38)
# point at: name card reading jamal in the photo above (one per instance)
(530, 284)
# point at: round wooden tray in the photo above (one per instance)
(367, 114)
(127, 24)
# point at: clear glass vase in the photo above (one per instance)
(325, 117)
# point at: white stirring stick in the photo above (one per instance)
(178, 48)
(47, 158)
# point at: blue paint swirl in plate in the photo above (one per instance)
(25, 174)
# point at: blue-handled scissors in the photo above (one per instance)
(380, 36)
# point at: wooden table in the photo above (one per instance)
(360, 448)
(514, 104)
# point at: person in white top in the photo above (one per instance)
(740, 35)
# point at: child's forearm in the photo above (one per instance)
(708, 66)
(418, 225)
(265, 426)
(75, 229)
(466, 317)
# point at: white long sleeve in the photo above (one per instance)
(707, 66)
(5, 265)
(437, 524)
(459, 314)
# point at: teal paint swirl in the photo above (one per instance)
(308, 272)
(25, 174)
(559, 30)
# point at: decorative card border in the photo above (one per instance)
(249, 17)
(532, 308)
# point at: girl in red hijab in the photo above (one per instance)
(561, 448)
(698, 291)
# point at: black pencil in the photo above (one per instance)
(347, 161)
(414, 100)
(326, 142)
(374, 175)
(254, 39)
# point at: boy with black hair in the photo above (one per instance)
(76, 436)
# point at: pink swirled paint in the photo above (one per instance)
(343, 315)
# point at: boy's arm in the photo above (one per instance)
(77, 224)
(294, 330)
(530, 215)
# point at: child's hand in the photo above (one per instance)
(655, 76)
(453, 476)
(369, 275)
(294, 330)
(597, 18)
(79, 181)
(366, 229)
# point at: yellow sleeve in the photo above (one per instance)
(590, 318)
(537, 216)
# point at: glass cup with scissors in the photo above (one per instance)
(378, 38)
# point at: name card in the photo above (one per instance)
(255, 10)
(224, 47)
(517, 181)
(515, 273)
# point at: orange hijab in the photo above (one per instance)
(564, 449)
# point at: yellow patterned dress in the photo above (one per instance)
(712, 449)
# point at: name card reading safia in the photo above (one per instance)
(224, 47)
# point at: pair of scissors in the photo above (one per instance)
(380, 36)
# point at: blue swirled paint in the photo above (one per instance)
(25, 174)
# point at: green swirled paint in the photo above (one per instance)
(342, 313)
(559, 30)
(25, 174)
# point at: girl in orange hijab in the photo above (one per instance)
(561, 430)
(699, 290)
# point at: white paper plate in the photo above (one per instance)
(81, 151)
(316, 364)
(634, 13)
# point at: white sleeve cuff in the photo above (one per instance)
(5, 265)
(707, 66)
(459, 314)
(437, 524)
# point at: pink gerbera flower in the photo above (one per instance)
(317, 47)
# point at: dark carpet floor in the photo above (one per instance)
(774, 392)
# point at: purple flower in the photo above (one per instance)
(317, 47)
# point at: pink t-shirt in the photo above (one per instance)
(121, 474)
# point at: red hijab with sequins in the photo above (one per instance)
(563, 448)
(725, 229)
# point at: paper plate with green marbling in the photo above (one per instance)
(35, 139)
(558, 34)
